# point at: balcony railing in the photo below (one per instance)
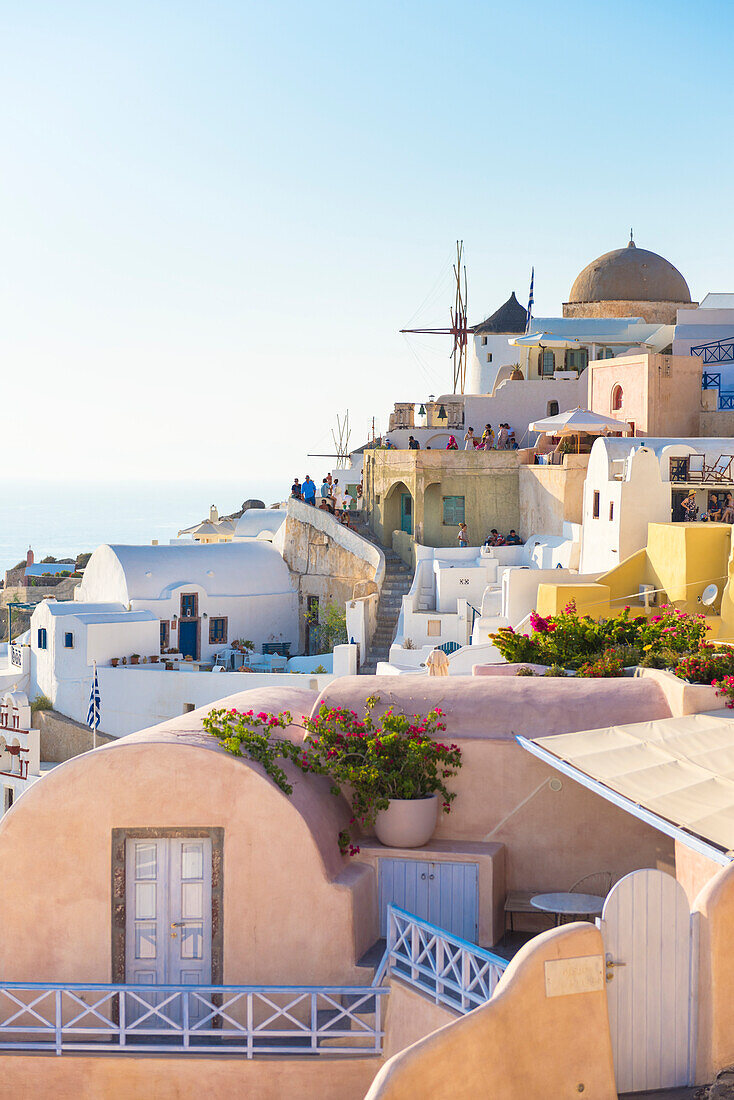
(450, 970)
(717, 351)
(226, 1019)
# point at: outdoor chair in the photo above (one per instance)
(720, 471)
(599, 883)
(696, 465)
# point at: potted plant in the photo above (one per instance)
(391, 769)
(114, 661)
(134, 658)
(153, 659)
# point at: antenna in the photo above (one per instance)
(341, 438)
(459, 328)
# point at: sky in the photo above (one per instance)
(217, 216)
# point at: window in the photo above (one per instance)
(165, 626)
(611, 510)
(9, 797)
(453, 511)
(546, 363)
(617, 398)
(489, 356)
(42, 637)
(433, 628)
(68, 640)
(189, 605)
(552, 408)
(484, 341)
(217, 631)
(596, 505)
(577, 360)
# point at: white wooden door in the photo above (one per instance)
(445, 894)
(168, 907)
(646, 927)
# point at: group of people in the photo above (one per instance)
(492, 539)
(720, 509)
(331, 498)
(503, 441)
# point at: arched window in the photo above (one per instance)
(552, 408)
(617, 396)
(546, 363)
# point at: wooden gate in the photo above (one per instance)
(646, 927)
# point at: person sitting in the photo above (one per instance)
(513, 539)
(512, 443)
(296, 490)
(494, 538)
(413, 444)
(326, 497)
(715, 509)
(452, 445)
(727, 515)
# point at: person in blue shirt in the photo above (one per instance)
(309, 491)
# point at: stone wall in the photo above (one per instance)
(654, 313)
(62, 738)
(326, 559)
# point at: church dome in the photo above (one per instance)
(630, 274)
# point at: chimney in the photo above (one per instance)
(29, 559)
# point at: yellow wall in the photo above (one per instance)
(590, 599)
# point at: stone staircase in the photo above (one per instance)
(397, 582)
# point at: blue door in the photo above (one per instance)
(187, 638)
(445, 894)
(406, 513)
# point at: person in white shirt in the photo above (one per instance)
(469, 440)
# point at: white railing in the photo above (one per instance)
(226, 1019)
(16, 656)
(452, 971)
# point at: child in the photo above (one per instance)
(463, 535)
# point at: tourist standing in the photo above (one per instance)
(463, 536)
(487, 437)
(309, 491)
(469, 440)
(413, 444)
(502, 437)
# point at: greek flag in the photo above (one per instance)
(530, 301)
(93, 712)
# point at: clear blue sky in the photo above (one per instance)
(216, 216)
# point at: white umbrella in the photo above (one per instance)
(545, 339)
(578, 421)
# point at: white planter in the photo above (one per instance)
(407, 822)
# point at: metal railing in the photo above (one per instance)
(710, 381)
(726, 400)
(452, 971)
(226, 1019)
(717, 351)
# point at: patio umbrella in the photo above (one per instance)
(545, 339)
(577, 421)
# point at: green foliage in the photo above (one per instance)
(555, 670)
(41, 702)
(525, 671)
(319, 670)
(82, 560)
(573, 640)
(609, 663)
(369, 760)
(328, 622)
(706, 666)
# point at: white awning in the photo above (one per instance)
(679, 770)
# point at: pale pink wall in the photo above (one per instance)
(662, 393)
(693, 870)
(411, 1016)
(172, 1077)
(542, 833)
(522, 1043)
(714, 912)
(289, 897)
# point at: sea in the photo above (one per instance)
(63, 519)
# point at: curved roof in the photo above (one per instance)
(630, 274)
(125, 573)
(509, 319)
(254, 520)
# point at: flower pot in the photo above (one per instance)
(407, 822)
(114, 661)
(135, 660)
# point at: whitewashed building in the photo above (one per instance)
(20, 755)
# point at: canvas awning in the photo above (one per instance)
(675, 773)
(578, 421)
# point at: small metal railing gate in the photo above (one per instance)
(450, 970)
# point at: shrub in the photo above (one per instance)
(555, 670)
(369, 760)
(41, 702)
(610, 663)
(525, 671)
(329, 623)
(706, 666)
(725, 688)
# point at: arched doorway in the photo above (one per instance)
(398, 510)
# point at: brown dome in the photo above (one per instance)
(630, 275)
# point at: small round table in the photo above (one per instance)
(569, 905)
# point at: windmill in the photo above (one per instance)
(459, 328)
(341, 440)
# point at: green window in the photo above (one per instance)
(453, 511)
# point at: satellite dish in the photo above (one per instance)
(709, 594)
